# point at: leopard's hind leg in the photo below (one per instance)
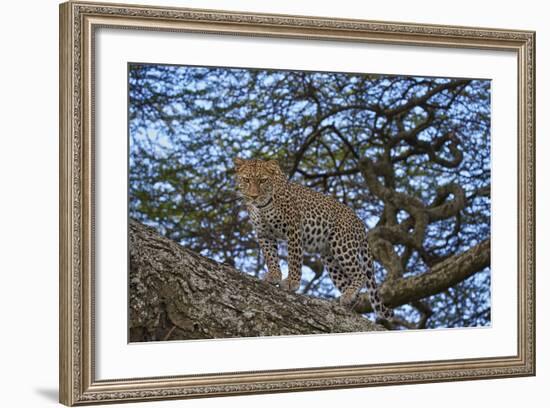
(382, 312)
(346, 266)
(336, 273)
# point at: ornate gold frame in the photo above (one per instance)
(77, 24)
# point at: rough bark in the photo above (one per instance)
(177, 294)
(443, 275)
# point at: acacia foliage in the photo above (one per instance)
(411, 155)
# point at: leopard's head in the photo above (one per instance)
(256, 179)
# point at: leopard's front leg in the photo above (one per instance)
(269, 250)
(295, 259)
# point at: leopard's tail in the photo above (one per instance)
(382, 311)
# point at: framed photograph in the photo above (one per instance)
(256, 203)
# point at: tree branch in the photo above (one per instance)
(444, 275)
(173, 286)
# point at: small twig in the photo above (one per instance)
(426, 312)
(400, 322)
(169, 333)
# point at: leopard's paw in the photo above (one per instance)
(347, 301)
(290, 285)
(273, 277)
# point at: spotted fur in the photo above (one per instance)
(310, 222)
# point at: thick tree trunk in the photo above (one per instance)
(176, 294)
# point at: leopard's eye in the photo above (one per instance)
(263, 180)
(245, 180)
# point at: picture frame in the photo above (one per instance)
(79, 23)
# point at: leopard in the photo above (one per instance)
(310, 222)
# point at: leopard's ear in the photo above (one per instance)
(238, 162)
(273, 167)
